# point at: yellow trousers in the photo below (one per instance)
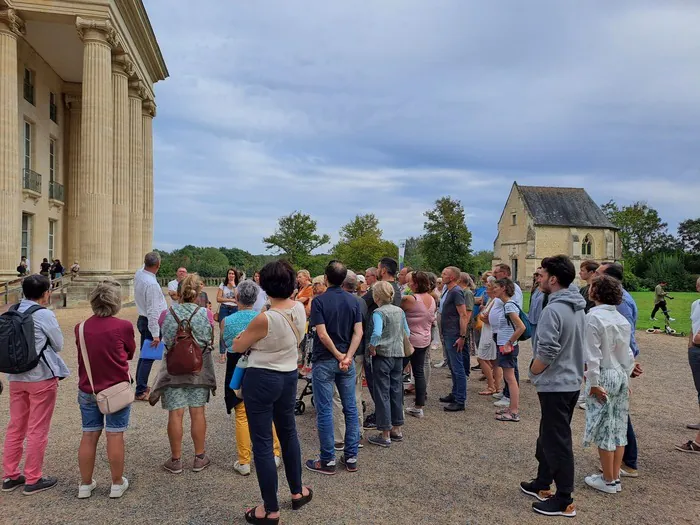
(245, 447)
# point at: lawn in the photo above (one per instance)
(679, 309)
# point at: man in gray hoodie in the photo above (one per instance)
(556, 371)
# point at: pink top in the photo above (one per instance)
(420, 321)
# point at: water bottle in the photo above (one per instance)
(238, 373)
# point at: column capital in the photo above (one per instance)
(122, 64)
(73, 102)
(101, 31)
(136, 88)
(11, 22)
(149, 108)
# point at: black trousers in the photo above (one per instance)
(554, 450)
(660, 306)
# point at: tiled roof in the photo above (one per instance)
(563, 207)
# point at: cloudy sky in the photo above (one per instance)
(382, 106)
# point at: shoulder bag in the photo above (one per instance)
(110, 400)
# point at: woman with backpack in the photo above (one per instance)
(183, 383)
(508, 330)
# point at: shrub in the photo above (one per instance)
(630, 281)
(669, 268)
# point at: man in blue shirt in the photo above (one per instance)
(628, 308)
(337, 318)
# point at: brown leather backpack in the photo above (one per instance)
(185, 356)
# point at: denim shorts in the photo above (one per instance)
(508, 360)
(94, 420)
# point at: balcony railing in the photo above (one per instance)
(31, 181)
(56, 191)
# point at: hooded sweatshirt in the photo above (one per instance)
(560, 333)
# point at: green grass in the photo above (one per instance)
(679, 309)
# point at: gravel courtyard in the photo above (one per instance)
(452, 468)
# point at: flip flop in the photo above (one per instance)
(513, 418)
(487, 392)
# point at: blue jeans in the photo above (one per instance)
(369, 375)
(326, 373)
(94, 420)
(143, 368)
(270, 397)
(388, 391)
(630, 456)
(459, 365)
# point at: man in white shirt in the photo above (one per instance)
(172, 285)
(502, 271)
(694, 360)
(150, 303)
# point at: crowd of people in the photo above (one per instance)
(380, 326)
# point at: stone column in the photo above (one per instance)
(136, 95)
(72, 226)
(149, 112)
(10, 176)
(122, 68)
(96, 136)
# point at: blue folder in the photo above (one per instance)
(152, 352)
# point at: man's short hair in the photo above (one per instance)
(390, 265)
(456, 272)
(614, 269)
(371, 271)
(151, 259)
(335, 273)
(561, 267)
(505, 268)
(589, 266)
(35, 286)
(350, 282)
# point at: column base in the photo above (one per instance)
(82, 286)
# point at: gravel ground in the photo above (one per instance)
(453, 468)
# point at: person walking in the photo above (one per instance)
(609, 363)
(386, 346)
(150, 303)
(270, 387)
(556, 372)
(693, 446)
(337, 319)
(660, 296)
(455, 320)
(33, 394)
(109, 345)
(187, 391)
(420, 314)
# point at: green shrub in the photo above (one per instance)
(669, 268)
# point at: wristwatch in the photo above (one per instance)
(462, 337)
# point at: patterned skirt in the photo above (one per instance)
(176, 397)
(606, 423)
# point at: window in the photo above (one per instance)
(514, 219)
(587, 246)
(29, 85)
(52, 238)
(53, 109)
(52, 160)
(27, 145)
(26, 235)
(514, 269)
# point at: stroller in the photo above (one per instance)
(305, 373)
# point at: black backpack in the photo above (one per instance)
(17, 345)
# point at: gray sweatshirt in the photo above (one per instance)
(560, 332)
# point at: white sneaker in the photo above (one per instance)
(582, 406)
(439, 364)
(502, 403)
(597, 482)
(278, 461)
(119, 490)
(497, 395)
(242, 468)
(671, 319)
(653, 319)
(85, 491)
(618, 485)
(415, 412)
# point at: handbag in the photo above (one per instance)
(185, 356)
(407, 346)
(110, 400)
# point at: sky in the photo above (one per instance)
(343, 108)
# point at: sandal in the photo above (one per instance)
(502, 411)
(250, 517)
(300, 502)
(487, 392)
(509, 416)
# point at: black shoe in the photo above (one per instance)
(454, 407)
(40, 486)
(477, 367)
(322, 467)
(532, 489)
(449, 398)
(350, 463)
(9, 484)
(555, 506)
(300, 502)
(339, 446)
(370, 422)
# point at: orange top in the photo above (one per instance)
(304, 296)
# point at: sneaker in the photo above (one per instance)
(555, 506)
(454, 407)
(449, 398)
(278, 461)
(118, 491)
(618, 485)
(200, 463)
(502, 403)
(671, 319)
(85, 491)
(628, 472)
(693, 426)
(395, 437)
(370, 422)
(407, 379)
(242, 468)
(350, 463)
(440, 364)
(691, 447)
(40, 486)
(9, 484)
(339, 446)
(597, 482)
(173, 465)
(497, 395)
(653, 319)
(532, 489)
(378, 440)
(582, 406)
(415, 412)
(322, 467)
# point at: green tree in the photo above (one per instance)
(413, 256)
(361, 245)
(689, 234)
(447, 240)
(296, 237)
(482, 261)
(641, 229)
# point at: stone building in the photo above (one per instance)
(539, 221)
(76, 141)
